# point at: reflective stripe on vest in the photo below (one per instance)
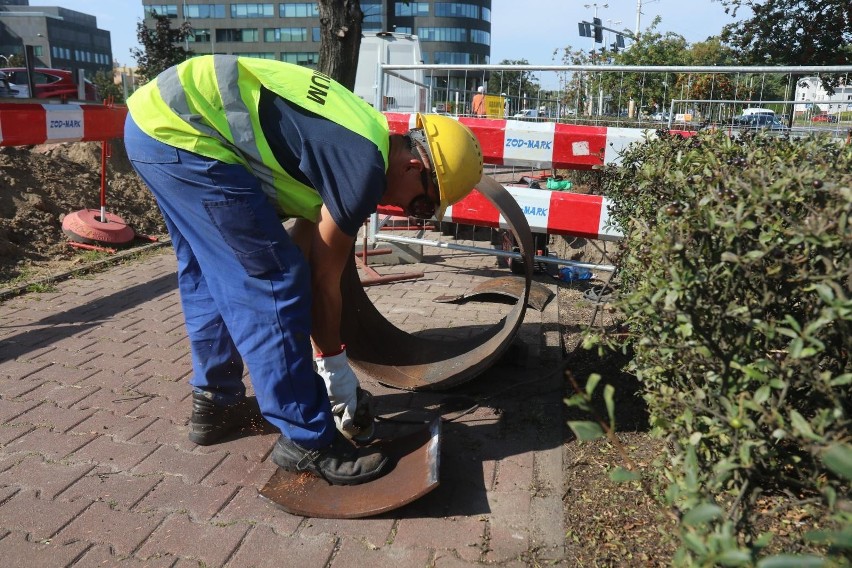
(208, 105)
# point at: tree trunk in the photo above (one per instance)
(340, 37)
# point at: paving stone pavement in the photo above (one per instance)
(96, 468)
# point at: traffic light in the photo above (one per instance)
(619, 41)
(585, 29)
(598, 31)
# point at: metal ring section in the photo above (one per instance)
(379, 350)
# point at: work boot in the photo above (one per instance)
(362, 428)
(211, 422)
(340, 463)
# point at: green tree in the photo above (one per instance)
(17, 60)
(711, 86)
(576, 85)
(161, 46)
(651, 91)
(522, 87)
(711, 52)
(792, 32)
(742, 86)
(105, 83)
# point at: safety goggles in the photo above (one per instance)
(422, 207)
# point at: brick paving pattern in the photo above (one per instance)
(96, 469)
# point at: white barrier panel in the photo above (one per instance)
(63, 123)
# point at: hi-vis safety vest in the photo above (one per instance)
(208, 105)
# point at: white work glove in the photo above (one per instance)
(341, 384)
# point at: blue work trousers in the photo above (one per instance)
(244, 287)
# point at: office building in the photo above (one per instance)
(449, 32)
(60, 38)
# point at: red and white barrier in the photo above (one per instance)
(549, 212)
(542, 145)
(27, 124)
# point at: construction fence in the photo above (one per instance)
(536, 122)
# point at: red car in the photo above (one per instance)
(824, 118)
(49, 84)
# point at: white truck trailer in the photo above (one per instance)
(403, 90)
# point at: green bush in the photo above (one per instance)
(735, 277)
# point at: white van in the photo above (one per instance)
(526, 113)
(404, 91)
(758, 110)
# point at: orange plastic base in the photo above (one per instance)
(85, 226)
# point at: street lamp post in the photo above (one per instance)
(186, 38)
(595, 5)
(639, 13)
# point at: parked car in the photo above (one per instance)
(49, 83)
(824, 118)
(761, 122)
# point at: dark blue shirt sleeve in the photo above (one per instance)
(345, 168)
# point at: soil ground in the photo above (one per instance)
(39, 185)
(609, 524)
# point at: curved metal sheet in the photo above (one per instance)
(379, 350)
(504, 287)
(414, 461)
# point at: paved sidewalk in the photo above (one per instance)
(96, 468)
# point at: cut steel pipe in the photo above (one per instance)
(379, 350)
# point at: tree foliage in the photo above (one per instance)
(651, 91)
(573, 93)
(340, 39)
(519, 86)
(17, 60)
(791, 32)
(107, 89)
(734, 285)
(162, 46)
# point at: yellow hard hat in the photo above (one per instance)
(456, 157)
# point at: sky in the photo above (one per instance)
(533, 29)
(530, 29)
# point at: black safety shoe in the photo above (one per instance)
(211, 422)
(340, 463)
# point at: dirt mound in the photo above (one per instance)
(39, 185)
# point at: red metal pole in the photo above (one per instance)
(104, 151)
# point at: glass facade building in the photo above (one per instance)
(61, 38)
(449, 32)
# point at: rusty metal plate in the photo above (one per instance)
(504, 287)
(379, 350)
(414, 458)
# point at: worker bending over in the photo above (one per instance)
(231, 145)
